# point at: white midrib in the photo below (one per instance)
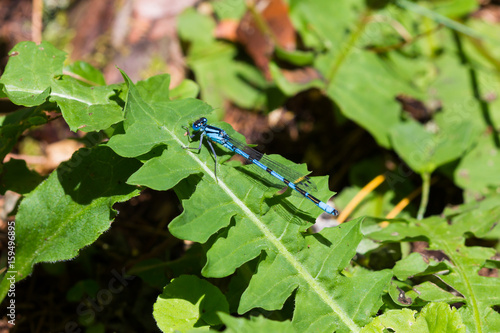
(281, 248)
(12, 88)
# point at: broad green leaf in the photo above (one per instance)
(415, 264)
(186, 89)
(157, 122)
(478, 170)
(30, 72)
(319, 30)
(14, 124)
(34, 73)
(16, 177)
(430, 292)
(245, 221)
(424, 151)
(434, 317)
(189, 302)
(221, 77)
(464, 262)
(85, 72)
(362, 84)
(70, 209)
(365, 91)
(195, 27)
(255, 324)
(229, 9)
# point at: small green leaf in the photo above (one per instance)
(86, 72)
(430, 292)
(424, 151)
(14, 124)
(70, 209)
(186, 89)
(34, 73)
(30, 71)
(462, 263)
(434, 317)
(478, 170)
(189, 302)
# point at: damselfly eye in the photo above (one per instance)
(199, 124)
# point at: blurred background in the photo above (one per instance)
(334, 84)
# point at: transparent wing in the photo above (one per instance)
(301, 180)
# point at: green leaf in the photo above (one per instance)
(448, 8)
(255, 324)
(186, 89)
(414, 264)
(377, 111)
(295, 57)
(35, 74)
(221, 77)
(245, 221)
(430, 292)
(85, 72)
(14, 124)
(70, 209)
(16, 177)
(188, 302)
(229, 9)
(424, 151)
(155, 123)
(29, 72)
(434, 317)
(362, 84)
(478, 170)
(195, 27)
(463, 262)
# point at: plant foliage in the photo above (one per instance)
(251, 233)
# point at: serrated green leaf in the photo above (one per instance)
(35, 74)
(415, 265)
(463, 262)
(70, 209)
(245, 221)
(255, 324)
(429, 291)
(188, 302)
(434, 317)
(156, 122)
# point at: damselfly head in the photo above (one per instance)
(199, 124)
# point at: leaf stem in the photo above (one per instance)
(346, 50)
(426, 184)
